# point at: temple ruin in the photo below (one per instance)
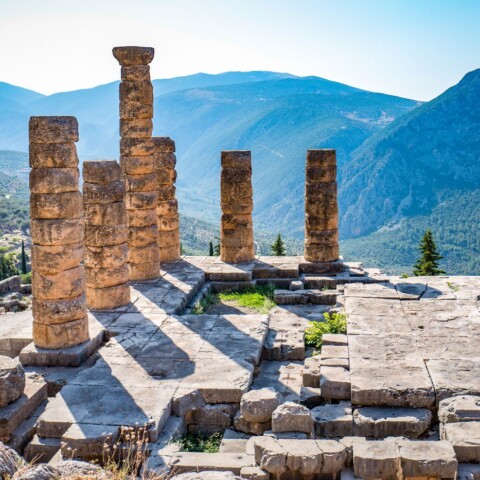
(396, 396)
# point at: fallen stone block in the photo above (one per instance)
(382, 422)
(376, 459)
(220, 415)
(12, 380)
(464, 408)
(296, 285)
(333, 421)
(335, 383)
(311, 397)
(465, 438)
(427, 459)
(254, 428)
(186, 400)
(291, 417)
(200, 462)
(257, 406)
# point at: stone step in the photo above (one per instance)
(382, 422)
(12, 415)
(333, 421)
(234, 442)
(335, 383)
(313, 365)
(275, 267)
(202, 462)
(465, 438)
(41, 449)
(302, 297)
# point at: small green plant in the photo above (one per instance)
(404, 275)
(26, 278)
(334, 323)
(202, 305)
(259, 298)
(453, 287)
(199, 443)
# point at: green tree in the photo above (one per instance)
(216, 247)
(427, 264)
(24, 259)
(210, 249)
(278, 247)
(7, 266)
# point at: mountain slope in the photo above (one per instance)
(416, 163)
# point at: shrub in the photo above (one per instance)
(334, 323)
(199, 443)
(26, 278)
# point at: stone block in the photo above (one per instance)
(133, 147)
(254, 473)
(109, 297)
(257, 406)
(66, 205)
(186, 400)
(220, 415)
(427, 459)
(296, 285)
(143, 271)
(141, 218)
(322, 228)
(334, 351)
(303, 456)
(333, 421)
(128, 56)
(166, 193)
(53, 155)
(236, 159)
(141, 183)
(291, 417)
(166, 176)
(52, 259)
(106, 277)
(169, 254)
(324, 173)
(237, 255)
(168, 223)
(141, 236)
(60, 335)
(225, 462)
(56, 232)
(311, 397)
(136, 127)
(67, 284)
(111, 256)
(335, 383)
(137, 110)
(378, 422)
(321, 158)
(89, 441)
(464, 408)
(102, 235)
(465, 438)
(110, 192)
(59, 311)
(164, 144)
(167, 208)
(135, 73)
(377, 459)
(335, 339)
(101, 171)
(12, 380)
(311, 372)
(53, 129)
(41, 449)
(53, 180)
(144, 254)
(254, 428)
(13, 414)
(139, 165)
(141, 200)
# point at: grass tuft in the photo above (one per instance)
(334, 323)
(192, 442)
(259, 298)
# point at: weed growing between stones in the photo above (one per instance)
(202, 305)
(259, 298)
(334, 323)
(200, 443)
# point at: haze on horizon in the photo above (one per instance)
(401, 47)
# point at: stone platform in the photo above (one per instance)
(410, 344)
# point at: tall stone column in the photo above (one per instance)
(167, 206)
(137, 162)
(321, 209)
(106, 235)
(58, 278)
(236, 197)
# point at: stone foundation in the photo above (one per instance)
(58, 278)
(236, 196)
(321, 209)
(106, 235)
(167, 206)
(137, 161)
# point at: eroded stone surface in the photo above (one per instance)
(12, 380)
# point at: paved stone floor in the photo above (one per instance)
(410, 344)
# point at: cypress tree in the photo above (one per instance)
(427, 264)
(278, 247)
(210, 249)
(24, 259)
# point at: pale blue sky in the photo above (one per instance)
(411, 48)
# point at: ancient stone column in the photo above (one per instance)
(106, 235)
(137, 162)
(167, 205)
(321, 209)
(236, 197)
(58, 278)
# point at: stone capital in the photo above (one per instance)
(128, 56)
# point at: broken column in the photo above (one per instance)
(137, 161)
(106, 235)
(58, 278)
(167, 206)
(321, 209)
(236, 197)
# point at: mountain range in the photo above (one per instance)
(403, 165)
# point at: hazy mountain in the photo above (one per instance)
(416, 163)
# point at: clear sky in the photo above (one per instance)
(411, 48)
